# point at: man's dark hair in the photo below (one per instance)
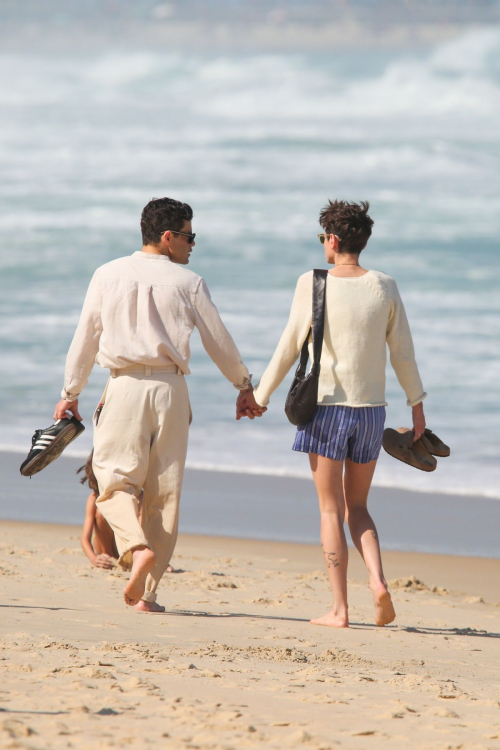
(161, 214)
(350, 222)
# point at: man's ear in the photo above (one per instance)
(165, 238)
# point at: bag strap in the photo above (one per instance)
(318, 324)
(318, 316)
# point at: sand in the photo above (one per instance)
(234, 662)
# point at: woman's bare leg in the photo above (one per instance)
(327, 475)
(357, 481)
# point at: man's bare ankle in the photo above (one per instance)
(139, 553)
(145, 606)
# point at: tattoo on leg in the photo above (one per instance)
(374, 535)
(330, 560)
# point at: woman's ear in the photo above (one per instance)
(330, 249)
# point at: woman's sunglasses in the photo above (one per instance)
(190, 235)
(326, 236)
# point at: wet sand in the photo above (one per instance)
(268, 507)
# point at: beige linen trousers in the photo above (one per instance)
(140, 444)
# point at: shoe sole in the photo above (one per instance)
(52, 452)
(427, 471)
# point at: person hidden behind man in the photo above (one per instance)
(98, 540)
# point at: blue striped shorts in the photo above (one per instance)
(341, 432)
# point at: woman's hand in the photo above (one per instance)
(418, 420)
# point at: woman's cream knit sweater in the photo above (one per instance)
(362, 314)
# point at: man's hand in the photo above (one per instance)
(63, 407)
(418, 420)
(247, 406)
(104, 561)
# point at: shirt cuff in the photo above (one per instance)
(247, 382)
(69, 396)
(417, 401)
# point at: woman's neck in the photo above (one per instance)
(347, 264)
(346, 259)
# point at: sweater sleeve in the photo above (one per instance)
(402, 352)
(217, 339)
(85, 344)
(291, 341)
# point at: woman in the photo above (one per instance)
(363, 313)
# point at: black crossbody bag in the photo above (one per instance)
(302, 397)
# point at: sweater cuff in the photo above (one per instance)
(417, 401)
(259, 399)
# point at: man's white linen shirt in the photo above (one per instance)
(142, 309)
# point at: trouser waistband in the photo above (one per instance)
(145, 369)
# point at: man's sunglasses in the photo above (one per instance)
(190, 235)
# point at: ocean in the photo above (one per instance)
(257, 144)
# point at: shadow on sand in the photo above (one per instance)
(471, 632)
(35, 606)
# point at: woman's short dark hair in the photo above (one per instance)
(89, 476)
(161, 214)
(350, 222)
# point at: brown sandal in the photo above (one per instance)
(400, 444)
(434, 445)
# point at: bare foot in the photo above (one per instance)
(169, 569)
(384, 610)
(144, 561)
(332, 620)
(143, 606)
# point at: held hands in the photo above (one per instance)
(63, 407)
(247, 406)
(418, 420)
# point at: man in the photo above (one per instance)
(137, 319)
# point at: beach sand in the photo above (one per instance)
(234, 662)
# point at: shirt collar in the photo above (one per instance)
(150, 256)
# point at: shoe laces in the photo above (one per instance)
(35, 437)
